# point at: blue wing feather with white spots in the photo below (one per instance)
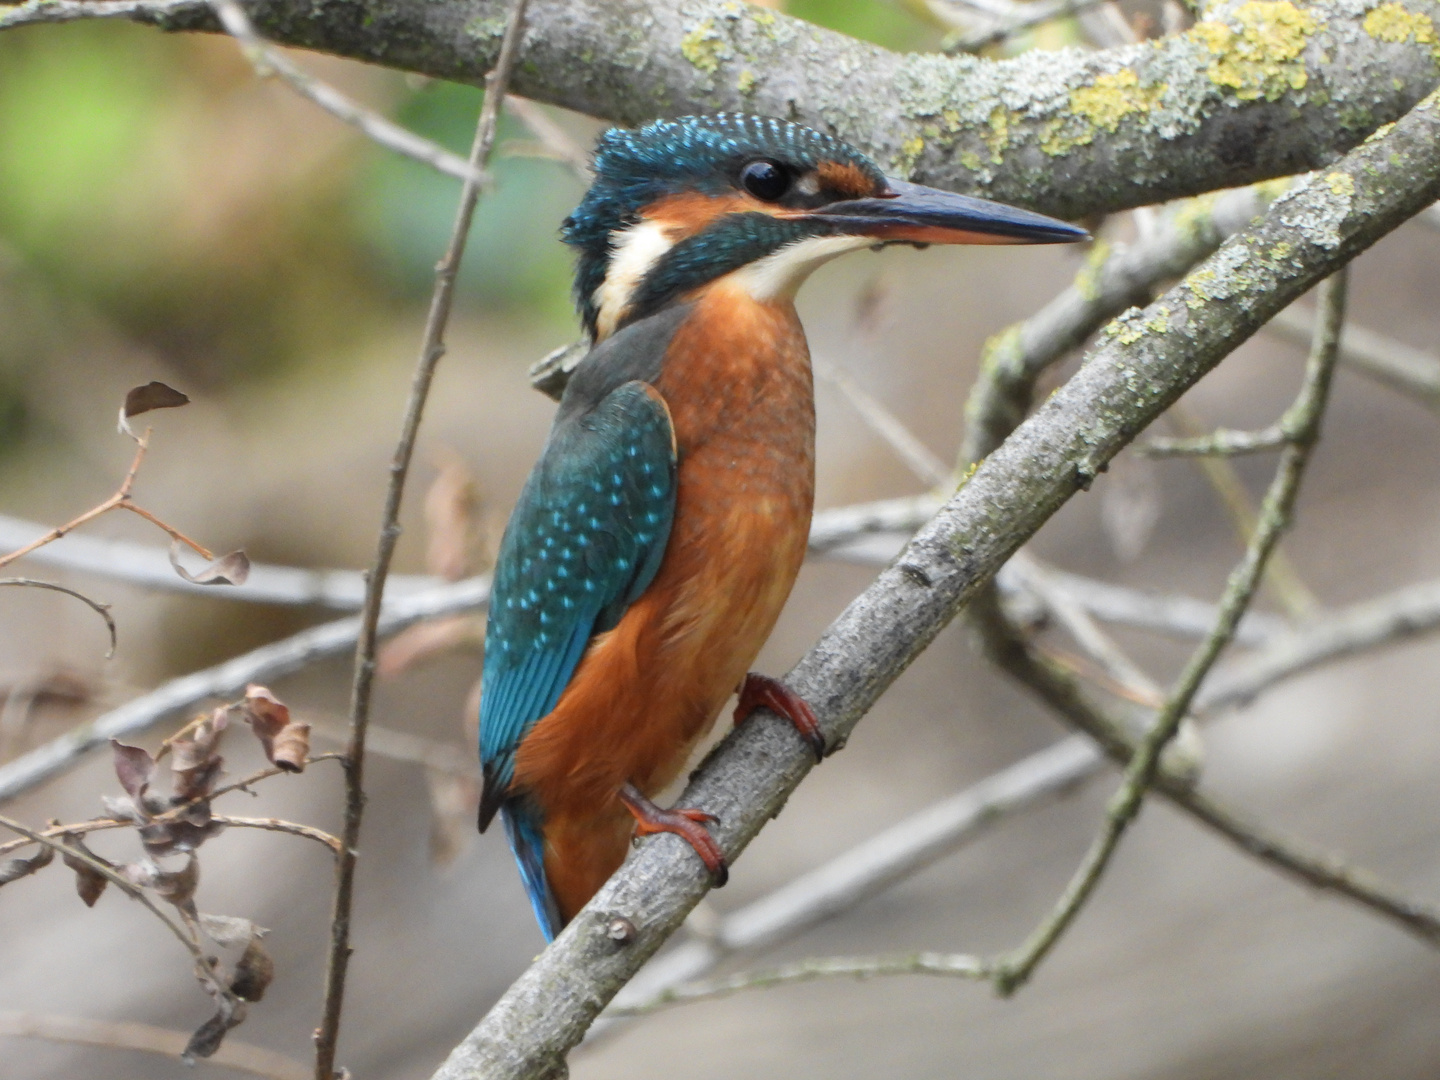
(585, 540)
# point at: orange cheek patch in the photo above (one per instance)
(845, 178)
(689, 213)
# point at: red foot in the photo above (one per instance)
(684, 822)
(758, 690)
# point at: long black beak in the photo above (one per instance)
(922, 215)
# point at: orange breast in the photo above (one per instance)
(737, 381)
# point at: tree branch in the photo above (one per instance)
(1070, 133)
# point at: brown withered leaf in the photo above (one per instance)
(180, 836)
(232, 569)
(253, 972)
(286, 743)
(426, 640)
(452, 519)
(193, 782)
(142, 399)
(229, 1013)
(176, 886)
(153, 395)
(134, 767)
(89, 882)
(292, 747)
(14, 869)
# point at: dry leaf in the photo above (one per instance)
(232, 569)
(153, 395)
(134, 767)
(286, 744)
(452, 519)
(426, 640)
(141, 399)
(228, 931)
(253, 972)
(15, 869)
(292, 747)
(89, 882)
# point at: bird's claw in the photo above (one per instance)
(760, 690)
(685, 822)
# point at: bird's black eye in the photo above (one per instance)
(765, 179)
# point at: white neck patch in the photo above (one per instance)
(779, 275)
(635, 252)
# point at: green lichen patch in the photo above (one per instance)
(910, 151)
(1258, 53)
(704, 47)
(1087, 281)
(1340, 183)
(1112, 97)
(745, 84)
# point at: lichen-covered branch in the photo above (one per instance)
(1147, 360)
(1259, 89)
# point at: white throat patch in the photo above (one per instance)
(779, 275)
(635, 253)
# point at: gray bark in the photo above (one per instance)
(1278, 88)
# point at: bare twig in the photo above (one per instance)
(265, 664)
(1223, 442)
(432, 349)
(105, 870)
(149, 566)
(1399, 366)
(1301, 425)
(879, 419)
(309, 832)
(103, 610)
(1029, 16)
(269, 61)
(952, 965)
(122, 1035)
(1281, 577)
(551, 136)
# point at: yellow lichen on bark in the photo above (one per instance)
(1111, 98)
(1257, 54)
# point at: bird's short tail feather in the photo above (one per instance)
(522, 829)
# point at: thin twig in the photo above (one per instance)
(1281, 576)
(432, 349)
(225, 680)
(1301, 424)
(124, 1035)
(951, 965)
(551, 136)
(879, 419)
(103, 610)
(1401, 367)
(120, 500)
(271, 824)
(268, 60)
(1222, 442)
(1043, 13)
(105, 870)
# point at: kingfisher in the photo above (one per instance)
(659, 535)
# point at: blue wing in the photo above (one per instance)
(585, 540)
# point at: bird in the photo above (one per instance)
(659, 535)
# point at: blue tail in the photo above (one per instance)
(522, 829)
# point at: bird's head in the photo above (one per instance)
(678, 204)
